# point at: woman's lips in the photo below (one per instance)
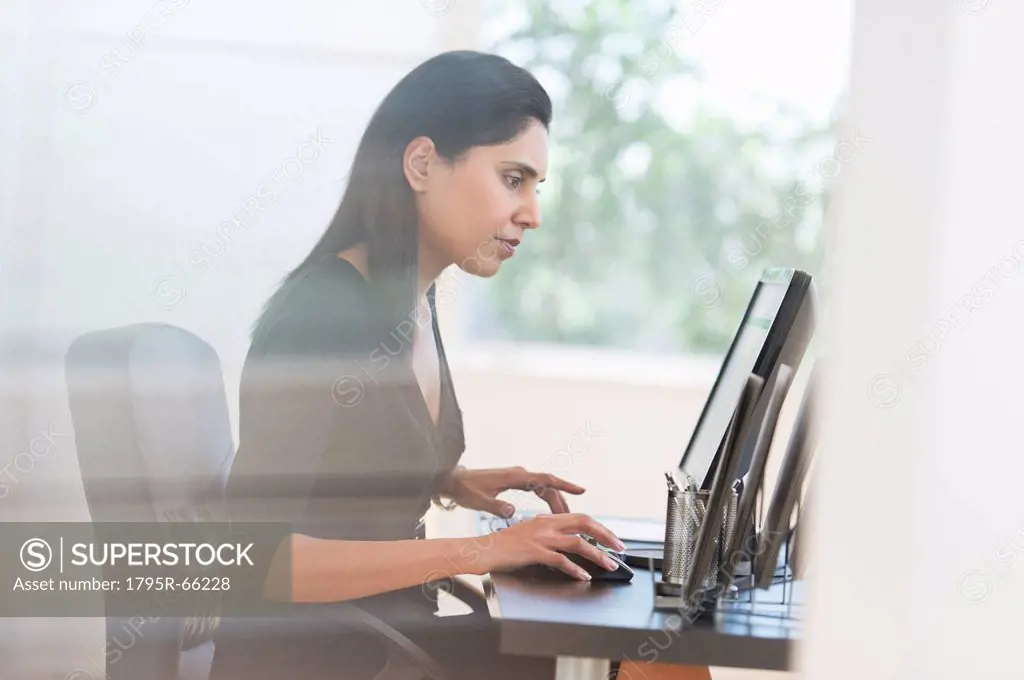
(508, 246)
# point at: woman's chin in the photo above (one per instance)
(485, 268)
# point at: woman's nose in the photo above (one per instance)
(529, 215)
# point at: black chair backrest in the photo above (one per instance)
(153, 439)
(151, 422)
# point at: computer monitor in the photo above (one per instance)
(776, 327)
(791, 484)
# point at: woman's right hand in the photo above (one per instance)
(542, 539)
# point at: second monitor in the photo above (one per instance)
(776, 329)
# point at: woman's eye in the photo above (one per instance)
(514, 181)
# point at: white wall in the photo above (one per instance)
(603, 420)
(922, 467)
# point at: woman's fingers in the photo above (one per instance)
(563, 563)
(494, 506)
(584, 524)
(547, 486)
(549, 539)
(591, 552)
(540, 481)
(555, 500)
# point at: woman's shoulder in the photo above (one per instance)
(323, 308)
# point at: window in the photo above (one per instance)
(680, 167)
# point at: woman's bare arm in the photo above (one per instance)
(324, 570)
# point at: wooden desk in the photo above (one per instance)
(588, 625)
(585, 625)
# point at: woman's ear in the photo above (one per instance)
(419, 158)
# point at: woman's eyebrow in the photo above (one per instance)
(526, 168)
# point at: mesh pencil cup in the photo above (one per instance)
(683, 517)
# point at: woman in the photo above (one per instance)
(349, 424)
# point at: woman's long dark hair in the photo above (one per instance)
(459, 99)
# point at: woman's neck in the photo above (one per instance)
(428, 270)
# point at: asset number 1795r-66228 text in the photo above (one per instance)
(211, 583)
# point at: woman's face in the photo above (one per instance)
(476, 210)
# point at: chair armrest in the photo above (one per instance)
(405, 660)
(468, 591)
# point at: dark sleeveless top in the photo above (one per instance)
(335, 435)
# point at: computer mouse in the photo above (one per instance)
(624, 573)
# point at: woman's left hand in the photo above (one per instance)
(478, 489)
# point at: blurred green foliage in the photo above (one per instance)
(653, 234)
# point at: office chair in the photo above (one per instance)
(154, 443)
